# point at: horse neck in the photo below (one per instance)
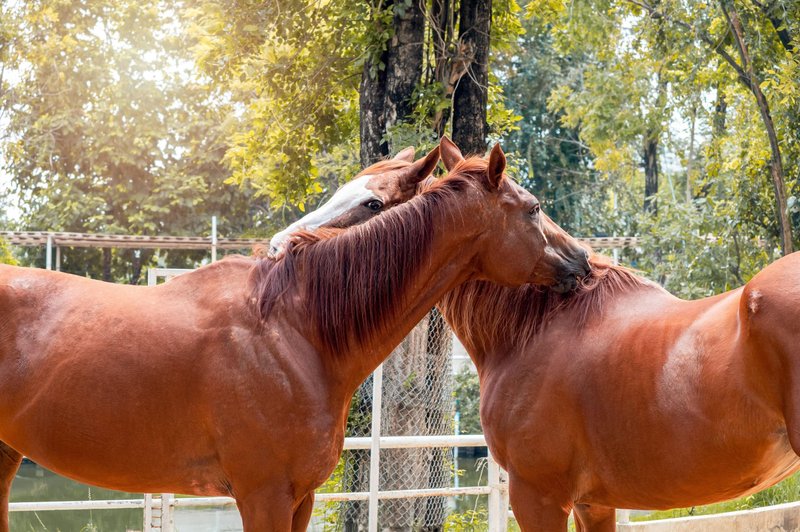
(493, 321)
(445, 261)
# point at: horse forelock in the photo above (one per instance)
(353, 280)
(476, 167)
(485, 313)
(382, 167)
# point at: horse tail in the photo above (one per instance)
(769, 314)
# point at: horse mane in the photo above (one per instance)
(486, 313)
(351, 281)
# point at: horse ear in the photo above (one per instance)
(422, 168)
(406, 155)
(451, 155)
(497, 165)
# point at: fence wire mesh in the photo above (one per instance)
(417, 400)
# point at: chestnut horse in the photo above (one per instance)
(235, 379)
(620, 395)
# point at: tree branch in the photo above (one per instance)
(778, 24)
(705, 37)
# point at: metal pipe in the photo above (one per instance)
(213, 239)
(375, 448)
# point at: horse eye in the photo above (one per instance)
(374, 205)
(534, 210)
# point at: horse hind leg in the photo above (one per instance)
(9, 463)
(591, 518)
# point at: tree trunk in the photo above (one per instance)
(471, 96)
(372, 96)
(442, 24)
(650, 161)
(650, 147)
(403, 64)
(107, 265)
(386, 101)
(690, 158)
(776, 163)
(136, 266)
(720, 114)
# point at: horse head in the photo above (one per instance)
(530, 246)
(374, 190)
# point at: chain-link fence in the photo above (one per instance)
(417, 400)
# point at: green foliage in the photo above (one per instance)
(294, 67)
(5, 253)
(468, 521)
(595, 81)
(328, 513)
(119, 134)
(467, 394)
(701, 248)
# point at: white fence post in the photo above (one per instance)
(498, 497)
(213, 239)
(167, 512)
(148, 513)
(48, 256)
(375, 449)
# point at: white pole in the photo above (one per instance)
(213, 239)
(58, 258)
(48, 262)
(375, 449)
(455, 449)
(615, 251)
(148, 513)
(167, 511)
(498, 498)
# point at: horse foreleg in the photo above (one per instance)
(302, 515)
(9, 463)
(266, 510)
(536, 511)
(590, 518)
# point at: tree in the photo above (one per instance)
(109, 130)
(746, 73)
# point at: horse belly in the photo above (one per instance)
(114, 449)
(668, 476)
(106, 425)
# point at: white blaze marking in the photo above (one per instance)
(351, 195)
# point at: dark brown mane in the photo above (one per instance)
(351, 280)
(487, 313)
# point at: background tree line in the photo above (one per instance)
(675, 121)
